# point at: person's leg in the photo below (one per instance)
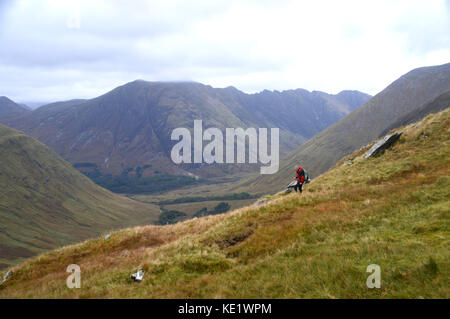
(300, 188)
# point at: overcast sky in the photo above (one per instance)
(63, 49)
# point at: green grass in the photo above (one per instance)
(392, 210)
(236, 196)
(143, 185)
(45, 203)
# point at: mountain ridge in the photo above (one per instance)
(129, 127)
(11, 109)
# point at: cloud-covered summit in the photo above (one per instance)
(57, 50)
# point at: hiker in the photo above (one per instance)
(300, 179)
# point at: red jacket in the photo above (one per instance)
(300, 175)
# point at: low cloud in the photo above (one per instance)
(55, 50)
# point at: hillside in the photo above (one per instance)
(126, 132)
(391, 210)
(440, 103)
(45, 203)
(9, 109)
(411, 94)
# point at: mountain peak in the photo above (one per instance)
(9, 108)
(5, 99)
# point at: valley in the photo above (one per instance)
(127, 131)
(316, 245)
(49, 203)
(224, 158)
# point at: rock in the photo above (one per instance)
(261, 202)
(107, 236)
(8, 274)
(383, 144)
(290, 187)
(139, 275)
(417, 124)
(348, 162)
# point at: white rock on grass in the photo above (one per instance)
(139, 275)
(8, 274)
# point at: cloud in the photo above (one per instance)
(62, 49)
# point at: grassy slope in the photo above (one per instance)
(191, 208)
(404, 97)
(45, 203)
(441, 103)
(9, 109)
(392, 210)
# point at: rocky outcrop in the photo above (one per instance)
(383, 144)
(8, 274)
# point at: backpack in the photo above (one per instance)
(307, 179)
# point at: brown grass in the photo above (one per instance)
(392, 210)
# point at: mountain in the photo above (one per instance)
(411, 96)
(9, 109)
(127, 130)
(25, 106)
(440, 103)
(45, 203)
(31, 105)
(391, 210)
